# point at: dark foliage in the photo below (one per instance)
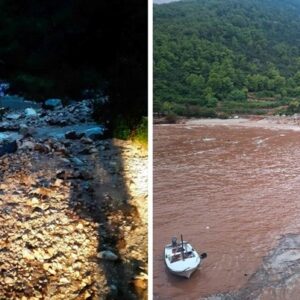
(59, 48)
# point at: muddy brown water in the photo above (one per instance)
(233, 192)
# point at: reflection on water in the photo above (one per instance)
(233, 192)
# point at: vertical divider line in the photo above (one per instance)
(150, 149)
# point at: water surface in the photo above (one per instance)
(233, 192)
(17, 103)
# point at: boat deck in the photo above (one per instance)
(179, 253)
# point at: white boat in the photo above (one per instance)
(182, 259)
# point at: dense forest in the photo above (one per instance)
(216, 58)
(62, 48)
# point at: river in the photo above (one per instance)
(232, 190)
(17, 103)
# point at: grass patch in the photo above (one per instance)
(140, 134)
(125, 131)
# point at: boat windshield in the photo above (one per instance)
(181, 256)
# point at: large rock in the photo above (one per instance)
(13, 116)
(6, 126)
(73, 135)
(52, 104)
(8, 147)
(27, 145)
(57, 122)
(6, 137)
(30, 112)
(43, 148)
(94, 133)
(26, 131)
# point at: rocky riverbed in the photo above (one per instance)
(73, 208)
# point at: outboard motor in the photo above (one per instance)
(174, 242)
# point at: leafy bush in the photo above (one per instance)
(293, 107)
(264, 94)
(212, 102)
(32, 85)
(295, 92)
(121, 129)
(171, 118)
(200, 112)
(237, 95)
(141, 133)
(223, 115)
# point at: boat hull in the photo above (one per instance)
(182, 262)
(186, 273)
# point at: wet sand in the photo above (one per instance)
(231, 187)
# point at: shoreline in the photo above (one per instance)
(272, 123)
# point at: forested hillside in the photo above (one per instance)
(214, 57)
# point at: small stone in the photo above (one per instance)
(46, 267)
(9, 280)
(28, 254)
(140, 283)
(86, 295)
(86, 140)
(113, 290)
(79, 226)
(35, 201)
(77, 161)
(51, 271)
(64, 281)
(107, 255)
(58, 182)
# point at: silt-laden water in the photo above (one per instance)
(233, 192)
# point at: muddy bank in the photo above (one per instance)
(73, 217)
(272, 122)
(268, 122)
